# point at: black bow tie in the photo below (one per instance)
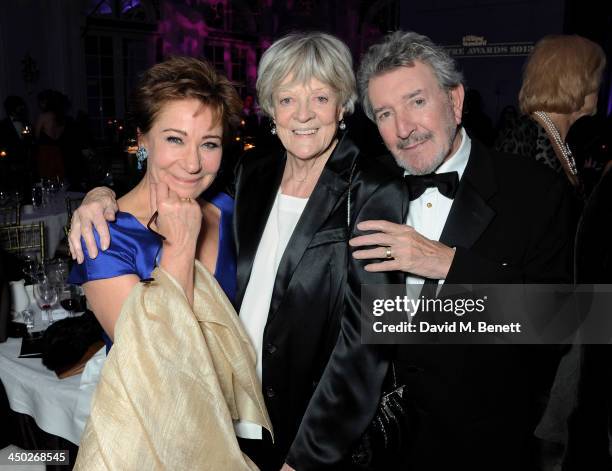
(446, 183)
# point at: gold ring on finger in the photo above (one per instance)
(388, 253)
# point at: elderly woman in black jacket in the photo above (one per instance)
(298, 289)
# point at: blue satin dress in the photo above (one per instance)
(134, 250)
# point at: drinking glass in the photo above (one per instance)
(37, 196)
(28, 318)
(54, 275)
(31, 267)
(62, 269)
(45, 184)
(46, 296)
(59, 183)
(69, 299)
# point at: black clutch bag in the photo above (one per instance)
(387, 436)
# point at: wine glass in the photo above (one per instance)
(28, 319)
(45, 184)
(62, 269)
(37, 195)
(31, 267)
(39, 272)
(69, 299)
(53, 273)
(59, 182)
(46, 296)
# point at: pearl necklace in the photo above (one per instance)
(552, 130)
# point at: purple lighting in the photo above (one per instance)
(129, 5)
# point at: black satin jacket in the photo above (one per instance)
(314, 309)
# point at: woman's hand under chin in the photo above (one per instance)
(179, 220)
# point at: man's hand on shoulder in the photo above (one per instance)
(402, 248)
(98, 207)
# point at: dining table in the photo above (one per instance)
(59, 407)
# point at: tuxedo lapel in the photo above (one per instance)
(254, 203)
(470, 213)
(326, 196)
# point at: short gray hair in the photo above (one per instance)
(305, 56)
(402, 49)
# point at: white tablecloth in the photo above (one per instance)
(59, 406)
(55, 217)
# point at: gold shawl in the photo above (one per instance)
(172, 383)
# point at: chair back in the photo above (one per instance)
(71, 205)
(22, 239)
(10, 215)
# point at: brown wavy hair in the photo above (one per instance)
(178, 78)
(560, 72)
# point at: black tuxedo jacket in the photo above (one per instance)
(477, 404)
(316, 297)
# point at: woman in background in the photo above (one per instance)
(560, 85)
(561, 82)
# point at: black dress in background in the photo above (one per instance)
(589, 425)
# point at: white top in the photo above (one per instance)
(428, 213)
(283, 218)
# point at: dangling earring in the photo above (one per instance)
(273, 128)
(141, 156)
(342, 125)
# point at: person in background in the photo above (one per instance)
(589, 431)
(15, 129)
(16, 143)
(561, 82)
(49, 131)
(181, 365)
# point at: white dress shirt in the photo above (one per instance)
(255, 307)
(428, 213)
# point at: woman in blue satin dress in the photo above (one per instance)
(112, 262)
(181, 364)
(135, 250)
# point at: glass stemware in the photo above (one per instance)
(46, 296)
(62, 269)
(37, 195)
(28, 319)
(31, 268)
(69, 299)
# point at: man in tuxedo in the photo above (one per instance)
(474, 217)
